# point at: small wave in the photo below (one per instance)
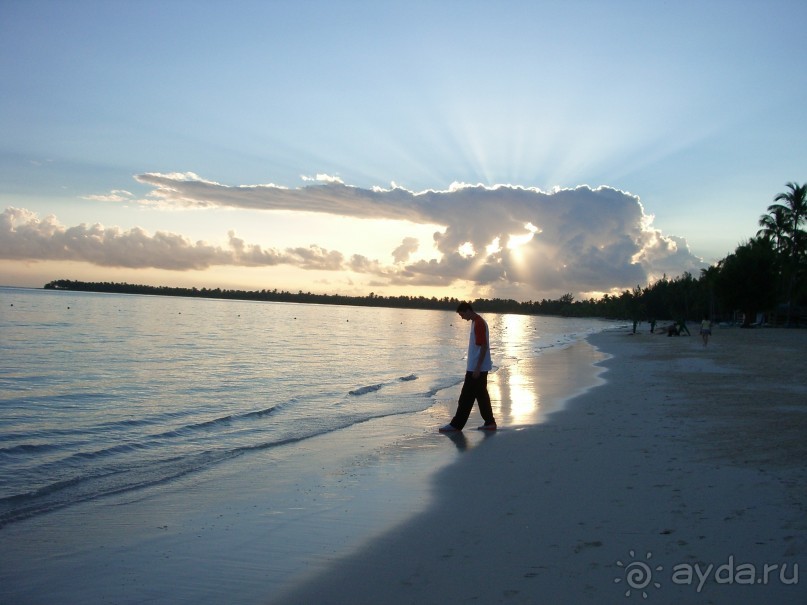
(371, 388)
(27, 448)
(192, 428)
(260, 413)
(127, 424)
(364, 390)
(442, 385)
(108, 451)
(208, 423)
(228, 419)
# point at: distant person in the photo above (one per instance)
(652, 326)
(706, 330)
(475, 387)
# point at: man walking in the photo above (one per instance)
(475, 387)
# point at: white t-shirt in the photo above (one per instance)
(479, 336)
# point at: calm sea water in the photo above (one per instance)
(104, 393)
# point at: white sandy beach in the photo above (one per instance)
(687, 465)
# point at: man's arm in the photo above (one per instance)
(483, 350)
(481, 339)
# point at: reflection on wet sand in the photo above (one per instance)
(526, 392)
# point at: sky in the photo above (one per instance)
(440, 148)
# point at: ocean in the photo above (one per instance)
(107, 394)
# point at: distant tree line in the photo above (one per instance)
(765, 275)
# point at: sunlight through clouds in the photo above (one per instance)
(502, 240)
(466, 250)
(476, 122)
(516, 241)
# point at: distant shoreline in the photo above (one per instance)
(563, 307)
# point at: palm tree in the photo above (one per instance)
(794, 207)
(775, 228)
(783, 226)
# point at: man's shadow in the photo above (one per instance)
(461, 441)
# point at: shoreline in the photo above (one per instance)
(246, 530)
(676, 467)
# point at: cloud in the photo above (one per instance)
(503, 239)
(187, 190)
(116, 195)
(323, 178)
(408, 246)
(578, 240)
(23, 236)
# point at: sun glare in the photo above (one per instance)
(494, 246)
(516, 241)
(466, 250)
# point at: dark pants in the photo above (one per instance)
(473, 389)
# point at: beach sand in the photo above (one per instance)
(681, 480)
(686, 465)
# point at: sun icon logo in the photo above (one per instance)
(638, 574)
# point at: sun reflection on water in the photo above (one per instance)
(537, 375)
(514, 388)
(524, 398)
